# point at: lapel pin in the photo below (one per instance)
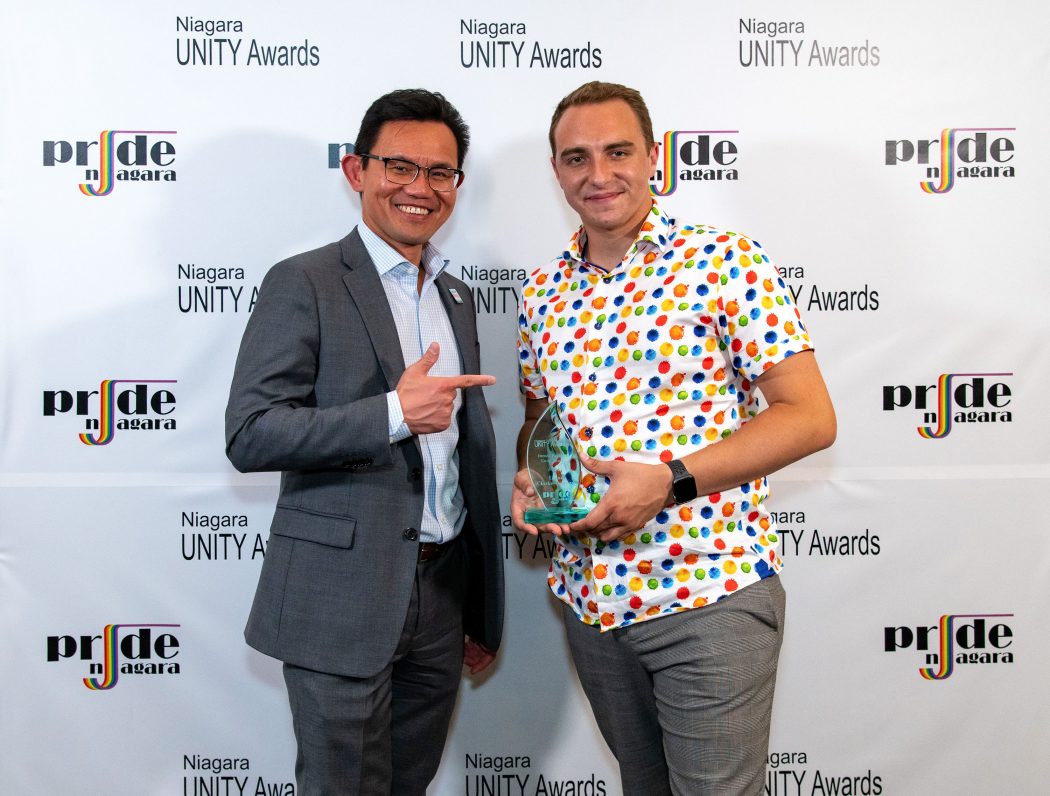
(455, 295)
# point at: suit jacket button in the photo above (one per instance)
(411, 534)
(417, 473)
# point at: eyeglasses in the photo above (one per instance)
(404, 172)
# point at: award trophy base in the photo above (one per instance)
(556, 514)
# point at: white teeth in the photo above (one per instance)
(418, 211)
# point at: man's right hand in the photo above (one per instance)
(426, 401)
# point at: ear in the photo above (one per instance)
(554, 165)
(654, 158)
(351, 166)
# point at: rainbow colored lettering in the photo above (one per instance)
(947, 167)
(944, 405)
(111, 665)
(106, 153)
(946, 648)
(106, 390)
(670, 158)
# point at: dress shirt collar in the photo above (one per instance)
(386, 258)
(656, 235)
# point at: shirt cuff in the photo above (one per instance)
(396, 425)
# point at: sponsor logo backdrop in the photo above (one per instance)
(158, 159)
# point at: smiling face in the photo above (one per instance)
(405, 216)
(603, 166)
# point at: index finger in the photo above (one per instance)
(468, 380)
(595, 519)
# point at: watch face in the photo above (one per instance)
(685, 489)
(684, 485)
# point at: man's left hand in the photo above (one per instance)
(637, 492)
(476, 656)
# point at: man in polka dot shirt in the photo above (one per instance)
(651, 336)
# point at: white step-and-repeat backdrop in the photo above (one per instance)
(159, 157)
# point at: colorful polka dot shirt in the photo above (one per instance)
(648, 363)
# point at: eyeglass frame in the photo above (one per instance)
(386, 160)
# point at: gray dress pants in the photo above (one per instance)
(685, 700)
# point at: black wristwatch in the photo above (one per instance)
(683, 485)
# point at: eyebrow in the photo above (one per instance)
(407, 159)
(579, 150)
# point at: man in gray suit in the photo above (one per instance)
(383, 573)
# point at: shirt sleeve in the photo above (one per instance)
(530, 379)
(758, 321)
(396, 424)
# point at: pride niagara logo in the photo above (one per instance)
(971, 398)
(138, 408)
(693, 155)
(957, 639)
(143, 650)
(123, 156)
(966, 156)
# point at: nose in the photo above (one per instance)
(600, 171)
(420, 186)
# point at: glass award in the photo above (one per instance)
(556, 472)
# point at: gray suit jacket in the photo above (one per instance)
(308, 398)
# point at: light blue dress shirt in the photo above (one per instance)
(421, 319)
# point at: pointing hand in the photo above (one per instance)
(426, 401)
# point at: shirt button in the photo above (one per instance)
(411, 534)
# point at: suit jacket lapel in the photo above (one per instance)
(366, 291)
(461, 316)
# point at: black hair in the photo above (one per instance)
(411, 104)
